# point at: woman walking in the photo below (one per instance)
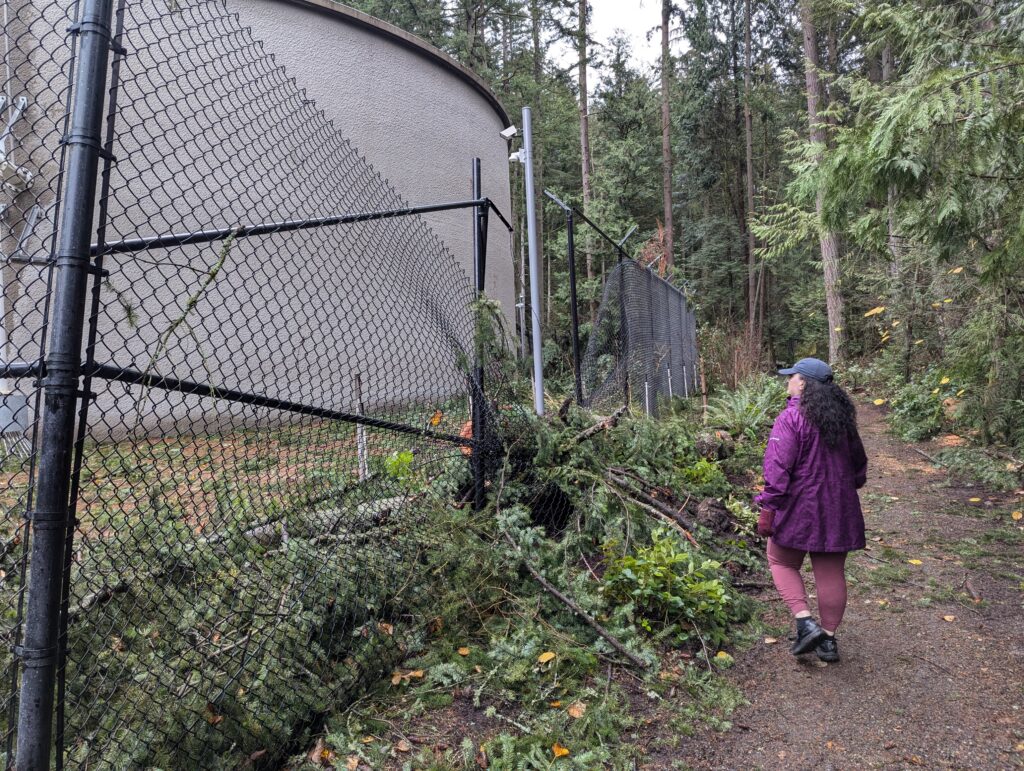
(813, 466)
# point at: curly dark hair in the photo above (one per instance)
(829, 408)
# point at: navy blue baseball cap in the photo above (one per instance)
(815, 369)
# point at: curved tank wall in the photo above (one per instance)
(415, 114)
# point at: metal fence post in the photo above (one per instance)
(479, 274)
(50, 518)
(534, 248)
(574, 315)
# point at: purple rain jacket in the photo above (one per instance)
(811, 487)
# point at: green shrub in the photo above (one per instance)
(705, 478)
(917, 409)
(750, 409)
(672, 591)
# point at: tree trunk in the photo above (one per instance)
(588, 165)
(829, 239)
(753, 330)
(666, 133)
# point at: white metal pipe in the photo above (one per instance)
(531, 229)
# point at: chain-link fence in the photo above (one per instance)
(643, 347)
(245, 378)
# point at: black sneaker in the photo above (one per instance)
(828, 649)
(808, 635)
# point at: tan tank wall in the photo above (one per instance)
(413, 117)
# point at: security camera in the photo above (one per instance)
(517, 156)
(509, 132)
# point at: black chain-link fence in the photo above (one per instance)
(642, 350)
(262, 387)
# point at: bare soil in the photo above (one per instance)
(932, 669)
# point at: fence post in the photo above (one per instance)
(534, 248)
(624, 329)
(573, 312)
(50, 518)
(479, 273)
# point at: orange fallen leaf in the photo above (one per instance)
(770, 640)
(577, 709)
(416, 673)
(879, 402)
(558, 750)
(436, 417)
(352, 762)
(875, 311)
(949, 618)
(463, 651)
(386, 628)
(403, 746)
(556, 704)
(545, 657)
(1017, 515)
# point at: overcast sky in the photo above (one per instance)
(634, 19)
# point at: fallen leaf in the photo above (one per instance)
(436, 418)
(915, 562)
(1017, 515)
(770, 640)
(896, 323)
(556, 704)
(956, 270)
(936, 305)
(974, 500)
(321, 754)
(211, 714)
(558, 750)
(386, 628)
(961, 392)
(416, 673)
(396, 678)
(879, 402)
(463, 651)
(545, 657)
(577, 709)
(367, 740)
(352, 762)
(403, 746)
(935, 390)
(875, 311)
(944, 381)
(918, 342)
(948, 300)
(949, 618)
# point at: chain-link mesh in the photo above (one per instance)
(279, 402)
(36, 85)
(643, 347)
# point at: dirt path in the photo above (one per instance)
(932, 670)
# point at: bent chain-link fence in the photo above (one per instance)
(642, 349)
(279, 393)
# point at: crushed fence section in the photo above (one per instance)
(279, 400)
(642, 350)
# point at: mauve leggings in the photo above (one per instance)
(829, 578)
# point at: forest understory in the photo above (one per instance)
(931, 675)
